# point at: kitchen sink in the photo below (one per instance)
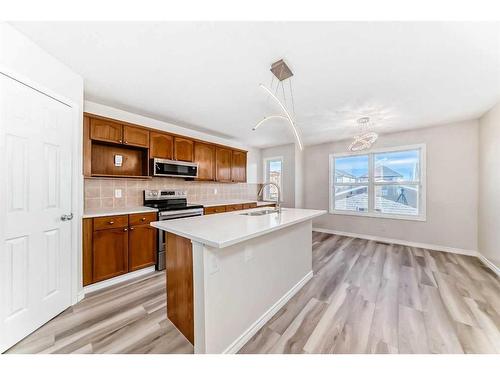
(259, 213)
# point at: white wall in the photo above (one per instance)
(299, 178)
(287, 152)
(23, 59)
(254, 164)
(452, 188)
(489, 185)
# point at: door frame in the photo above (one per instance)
(76, 176)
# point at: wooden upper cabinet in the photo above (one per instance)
(183, 149)
(161, 145)
(204, 155)
(134, 136)
(104, 138)
(223, 157)
(108, 131)
(239, 166)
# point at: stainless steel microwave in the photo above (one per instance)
(174, 168)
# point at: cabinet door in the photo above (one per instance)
(214, 210)
(135, 136)
(109, 253)
(239, 166)
(142, 247)
(161, 145)
(183, 149)
(102, 130)
(223, 158)
(87, 252)
(204, 155)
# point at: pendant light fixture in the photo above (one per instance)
(366, 138)
(282, 72)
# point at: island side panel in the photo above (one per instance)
(247, 283)
(179, 264)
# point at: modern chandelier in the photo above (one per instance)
(283, 73)
(365, 139)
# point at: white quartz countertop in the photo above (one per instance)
(99, 212)
(227, 229)
(225, 202)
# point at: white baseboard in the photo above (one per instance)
(80, 296)
(489, 264)
(259, 323)
(446, 249)
(118, 279)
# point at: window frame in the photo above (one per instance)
(265, 196)
(372, 183)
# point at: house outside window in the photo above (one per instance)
(388, 183)
(273, 172)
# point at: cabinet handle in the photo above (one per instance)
(121, 141)
(111, 222)
(131, 228)
(143, 219)
(126, 142)
(125, 229)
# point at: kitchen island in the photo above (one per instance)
(228, 274)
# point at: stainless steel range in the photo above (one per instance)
(171, 204)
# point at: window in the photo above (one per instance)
(273, 172)
(383, 183)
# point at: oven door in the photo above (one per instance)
(162, 235)
(173, 168)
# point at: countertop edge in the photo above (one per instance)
(221, 245)
(114, 211)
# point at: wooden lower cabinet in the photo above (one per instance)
(232, 207)
(214, 210)
(142, 247)
(247, 206)
(109, 253)
(115, 245)
(180, 290)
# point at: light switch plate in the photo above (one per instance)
(118, 193)
(118, 160)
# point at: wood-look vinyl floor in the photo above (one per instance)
(371, 297)
(130, 317)
(365, 297)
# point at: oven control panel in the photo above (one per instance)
(164, 194)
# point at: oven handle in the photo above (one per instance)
(179, 216)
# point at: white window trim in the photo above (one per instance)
(265, 160)
(371, 184)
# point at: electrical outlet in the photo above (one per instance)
(213, 263)
(118, 160)
(118, 193)
(248, 253)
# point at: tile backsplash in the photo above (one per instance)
(100, 192)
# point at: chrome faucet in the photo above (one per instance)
(278, 199)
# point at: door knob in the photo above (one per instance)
(67, 217)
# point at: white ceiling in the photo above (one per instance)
(205, 75)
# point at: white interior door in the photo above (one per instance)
(35, 191)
